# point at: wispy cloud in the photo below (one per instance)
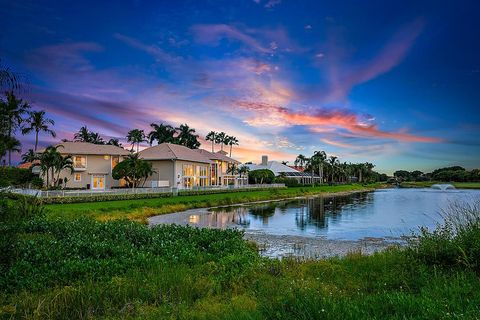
(153, 50)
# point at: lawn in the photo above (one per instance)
(141, 209)
(89, 269)
(426, 184)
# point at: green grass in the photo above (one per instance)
(426, 184)
(88, 269)
(141, 209)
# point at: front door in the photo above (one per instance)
(98, 182)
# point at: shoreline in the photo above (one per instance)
(294, 246)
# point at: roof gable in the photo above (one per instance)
(169, 151)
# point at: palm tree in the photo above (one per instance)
(83, 135)
(320, 157)
(136, 136)
(211, 136)
(333, 161)
(300, 161)
(48, 160)
(11, 119)
(243, 170)
(161, 133)
(39, 123)
(187, 137)
(9, 144)
(61, 163)
(221, 139)
(95, 138)
(231, 141)
(114, 142)
(29, 156)
(9, 80)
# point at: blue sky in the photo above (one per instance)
(396, 84)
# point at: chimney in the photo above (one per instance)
(264, 160)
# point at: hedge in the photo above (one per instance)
(18, 177)
(115, 197)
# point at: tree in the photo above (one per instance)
(95, 138)
(243, 171)
(83, 135)
(300, 161)
(62, 163)
(232, 169)
(136, 136)
(231, 141)
(261, 176)
(114, 142)
(221, 139)
(133, 169)
(212, 136)
(38, 122)
(49, 159)
(187, 137)
(161, 133)
(29, 156)
(9, 144)
(11, 119)
(9, 80)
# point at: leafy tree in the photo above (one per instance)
(261, 176)
(83, 135)
(133, 169)
(300, 161)
(136, 136)
(51, 162)
(38, 122)
(95, 138)
(161, 133)
(9, 144)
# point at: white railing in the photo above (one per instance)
(83, 193)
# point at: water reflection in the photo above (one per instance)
(383, 213)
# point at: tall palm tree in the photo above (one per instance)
(300, 161)
(211, 136)
(221, 139)
(48, 160)
(37, 122)
(83, 135)
(11, 119)
(95, 138)
(232, 141)
(9, 144)
(29, 156)
(333, 161)
(320, 157)
(187, 137)
(136, 136)
(161, 133)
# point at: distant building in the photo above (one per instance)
(281, 170)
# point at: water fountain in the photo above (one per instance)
(443, 186)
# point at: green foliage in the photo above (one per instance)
(133, 169)
(261, 176)
(289, 182)
(454, 244)
(17, 177)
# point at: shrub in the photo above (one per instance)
(289, 182)
(456, 243)
(17, 177)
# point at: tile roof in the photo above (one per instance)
(216, 156)
(169, 151)
(86, 148)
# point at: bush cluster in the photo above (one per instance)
(18, 177)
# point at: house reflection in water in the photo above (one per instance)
(221, 218)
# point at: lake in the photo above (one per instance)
(385, 213)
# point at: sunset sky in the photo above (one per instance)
(396, 83)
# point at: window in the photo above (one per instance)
(80, 162)
(203, 182)
(106, 157)
(187, 182)
(188, 170)
(201, 171)
(77, 177)
(115, 161)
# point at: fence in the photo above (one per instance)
(174, 191)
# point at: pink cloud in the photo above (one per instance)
(274, 115)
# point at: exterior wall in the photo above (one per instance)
(95, 164)
(163, 172)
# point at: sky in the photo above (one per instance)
(395, 83)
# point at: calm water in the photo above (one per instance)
(387, 213)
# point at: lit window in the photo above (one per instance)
(77, 177)
(187, 170)
(106, 157)
(80, 162)
(115, 161)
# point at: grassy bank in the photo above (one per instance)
(141, 209)
(427, 184)
(79, 269)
